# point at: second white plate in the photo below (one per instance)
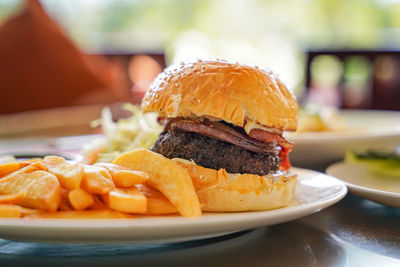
(366, 129)
(314, 192)
(361, 182)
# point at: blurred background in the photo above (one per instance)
(74, 53)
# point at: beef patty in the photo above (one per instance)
(215, 154)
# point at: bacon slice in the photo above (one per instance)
(225, 133)
(286, 146)
(267, 137)
(258, 140)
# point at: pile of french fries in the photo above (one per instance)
(138, 182)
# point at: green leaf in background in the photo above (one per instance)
(378, 162)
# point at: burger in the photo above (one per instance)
(224, 122)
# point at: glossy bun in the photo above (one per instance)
(220, 191)
(231, 92)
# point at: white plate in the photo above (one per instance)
(366, 129)
(314, 192)
(361, 182)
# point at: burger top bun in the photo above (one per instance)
(231, 92)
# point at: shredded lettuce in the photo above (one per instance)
(378, 162)
(137, 131)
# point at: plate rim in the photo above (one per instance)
(176, 221)
(361, 188)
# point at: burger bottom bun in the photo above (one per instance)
(220, 191)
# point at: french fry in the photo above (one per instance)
(79, 214)
(69, 174)
(80, 199)
(42, 188)
(124, 177)
(92, 156)
(64, 206)
(11, 211)
(157, 203)
(27, 162)
(98, 204)
(8, 168)
(64, 203)
(166, 176)
(15, 198)
(28, 211)
(204, 178)
(126, 200)
(35, 166)
(97, 180)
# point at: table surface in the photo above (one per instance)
(354, 232)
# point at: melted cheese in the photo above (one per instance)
(250, 125)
